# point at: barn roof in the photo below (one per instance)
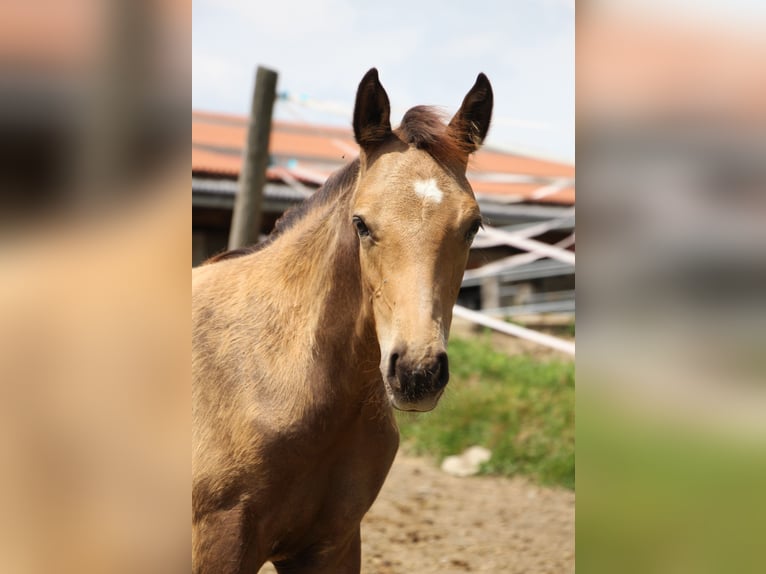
(309, 153)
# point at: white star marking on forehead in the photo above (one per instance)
(428, 190)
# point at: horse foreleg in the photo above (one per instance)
(334, 558)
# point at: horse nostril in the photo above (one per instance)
(392, 360)
(441, 373)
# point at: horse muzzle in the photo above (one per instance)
(416, 383)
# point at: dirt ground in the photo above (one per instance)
(427, 522)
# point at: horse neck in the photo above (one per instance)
(321, 282)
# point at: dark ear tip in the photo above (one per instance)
(482, 81)
(371, 75)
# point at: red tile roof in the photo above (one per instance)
(310, 153)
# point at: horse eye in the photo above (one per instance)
(473, 230)
(361, 227)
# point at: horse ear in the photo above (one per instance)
(471, 122)
(372, 112)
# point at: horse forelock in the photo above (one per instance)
(425, 127)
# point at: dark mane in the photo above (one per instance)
(424, 127)
(335, 184)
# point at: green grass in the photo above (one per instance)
(519, 407)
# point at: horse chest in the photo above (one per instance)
(331, 482)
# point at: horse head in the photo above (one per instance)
(415, 215)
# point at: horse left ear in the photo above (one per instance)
(372, 111)
(471, 122)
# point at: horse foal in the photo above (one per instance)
(302, 345)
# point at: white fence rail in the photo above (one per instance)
(515, 330)
(535, 250)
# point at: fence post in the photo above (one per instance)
(246, 215)
(490, 292)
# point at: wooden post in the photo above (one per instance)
(246, 216)
(490, 292)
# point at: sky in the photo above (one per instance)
(427, 52)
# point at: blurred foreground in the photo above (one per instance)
(671, 374)
(94, 295)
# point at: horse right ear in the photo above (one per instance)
(372, 112)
